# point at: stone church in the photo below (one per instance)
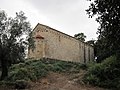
(53, 44)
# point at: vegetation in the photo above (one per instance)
(107, 47)
(14, 33)
(34, 69)
(80, 36)
(108, 16)
(105, 74)
(31, 70)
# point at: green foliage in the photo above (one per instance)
(82, 66)
(80, 36)
(21, 84)
(35, 69)
(39, 69)
(27, 71)
(107, 14)
(7, 83)
(105, 74)
(12, 42)
(63, 66)
(20, 74)
(14, 34)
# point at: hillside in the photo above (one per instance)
(61, 81)
(47, 74)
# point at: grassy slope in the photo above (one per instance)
(35, 69)
(32, 70)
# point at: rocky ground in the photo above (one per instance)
(58, 81)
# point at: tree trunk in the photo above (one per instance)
(4, 69)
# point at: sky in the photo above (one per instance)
(68, 16)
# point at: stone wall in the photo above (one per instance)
(57, 45)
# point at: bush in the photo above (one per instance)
(18, 74)
(27, 71)
(81, 66)
(31, 70)
(67, 67)
(57, 68)
(21, 84)
(105, 74)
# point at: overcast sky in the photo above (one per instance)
(68, 16)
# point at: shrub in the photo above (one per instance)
(105, 74)
(27, 71)
(35, 69)
(57, 68)
(81, 66)
(18, 74)
(31, 70)
(21, 84)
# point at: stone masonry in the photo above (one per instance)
(50, 43)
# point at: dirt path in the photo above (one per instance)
(57, 81)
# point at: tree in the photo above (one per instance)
(80, 36)
(14, 33)
(108, 16)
